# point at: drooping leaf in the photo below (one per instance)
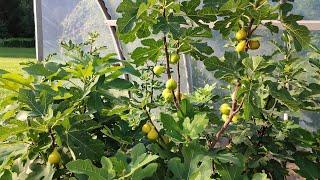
(152, 51)
(38, 69)
(172, 128)
(118, 83)
(186, 109)
(300, 33)
(140, 165)
(200, 16)
(230, 172)
(29, 98)
(80, 142)
(307, 168)
(106, 172)
(195, 164)
(193, 128)
(226, 69)
(283, 96)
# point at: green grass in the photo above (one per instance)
(18, 52)
(10, 59)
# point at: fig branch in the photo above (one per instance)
(152, 123)
(234, 110)
(53, 140)
(152, 88)
(179, 76)
(167, 57)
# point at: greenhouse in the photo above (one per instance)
(160, 89)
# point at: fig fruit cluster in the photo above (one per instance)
(225, 112)
(151, 132)
(244, 42)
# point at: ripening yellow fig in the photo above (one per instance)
(54, 157)
(158, 70)
(167, 95)
(171, 84)
(146, 128)
(241, 34)
(224, 117)
(174, 58)
(235, 118)
(254, 44)
(152, 135)
(225, 109)
(241, 46)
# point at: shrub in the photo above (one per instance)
(80, 119)
(18, 42)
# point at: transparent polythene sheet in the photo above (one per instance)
(72, 20)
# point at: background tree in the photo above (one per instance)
(16, 18)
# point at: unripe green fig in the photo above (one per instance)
(167, 95)
(158, 70)
(174, 58)
(171, 84)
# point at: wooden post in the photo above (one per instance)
(37, 9)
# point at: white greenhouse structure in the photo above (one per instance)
(58, 20)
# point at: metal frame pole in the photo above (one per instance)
(38, 29)
(112, 29)
(115, 38)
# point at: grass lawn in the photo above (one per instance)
(18, 53)
(10, 59)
